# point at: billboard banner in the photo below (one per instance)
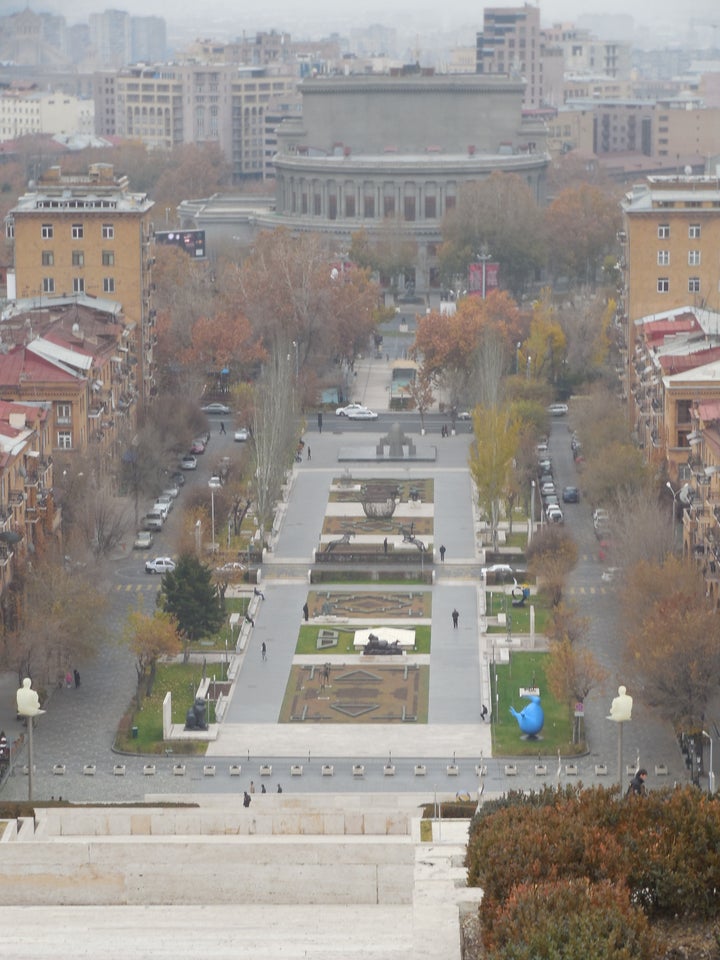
(475, 277)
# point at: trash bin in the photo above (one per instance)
(134, 733)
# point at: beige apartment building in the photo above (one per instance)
(88, 235)
(30, 111)
(671, 239)
(166, 105)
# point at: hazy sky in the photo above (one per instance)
(223, 19)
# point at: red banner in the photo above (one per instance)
(483, 277)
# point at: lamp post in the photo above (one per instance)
(675, 494)
(296, 347)
(517, 357)
(213, 488)
(484, 257)
(532, 511)
(620, 713)
(711, 772)
(28, 706)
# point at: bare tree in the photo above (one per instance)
(490, 367)
(274, 432)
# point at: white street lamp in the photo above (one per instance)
(711, 772)
(620, 713)
(28, 706)
(213, 488)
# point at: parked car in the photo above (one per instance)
(362, 414)
(600, 515)
(464, 415)
(241, 434)
(571, 495)
(546, 478)
(343, 411)
(160, 565)
(153, 521)
(542, 447)
(216, 408)
(188, 462)
(612, 573)
(172, 491)
(604, 550)
(230, 567)
(558, 409)
(144, 540)
(161, 508)
(555, 515)
(215, 482)
(547, 487)
(164, 500)
(550, 500)
(198, 446)
(499, 571)
(545, 465)
(178, 478)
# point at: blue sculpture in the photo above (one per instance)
(531, 718)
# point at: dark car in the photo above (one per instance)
(571, 495)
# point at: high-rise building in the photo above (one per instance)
(111, 38)
(148, 39)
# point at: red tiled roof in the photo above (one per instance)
(680, 363)
(21, 366)
(709, 410)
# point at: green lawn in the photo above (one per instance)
(507, 738)
(520, 616)
(307, 640)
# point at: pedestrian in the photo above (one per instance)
(76, 675)
(246, 799)
(637, 784)
(385, 545)
(258, 593)
(442, 553)
(68, 679)
(262, 788)
(309, 457)
(222, 427)
(455, 618)
(320, 418)
(263, 650)
(279, 789)
(249, 619)
(306, 611)
(252, 786)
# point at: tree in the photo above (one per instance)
(150, 637)
(191, 170)
(581, 224)
(491, 459)
(61, 621)
(389, 252)
(642, 528)
(499, 213)
(646, 583)
(544, 349)
(572, 672)
(551, 556)
(617, 472)
(421, 393)
(190, 596)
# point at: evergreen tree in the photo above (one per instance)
(189, 594)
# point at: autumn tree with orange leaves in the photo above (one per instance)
(581, 225)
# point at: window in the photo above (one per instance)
(108, 285)
(108, 231)
(694, 231)
(663, 258)
(48, 285)
(78, 284)
(369, 208)
(64, 439)
(77, 231)
(63, 413)
(663, 285)
(46, 231)
(430, 208)
(108, 258)
(48, 258)
(78, 258)
(663, 231)
(693, 258)
(693, 284)
(409, 208)
(9, 229)
(349, 206)
(389, 206)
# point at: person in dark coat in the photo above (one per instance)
(637, 784)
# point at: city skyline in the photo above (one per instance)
(662, 21)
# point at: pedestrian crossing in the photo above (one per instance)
(152, 587)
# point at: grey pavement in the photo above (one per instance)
(80, 724)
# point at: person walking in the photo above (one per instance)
(263, 650)
(246, 799)
(258, 593)
(222, 427)
(262, 788)
(279, 789)
(68, 679)
(309, 456)
(76, 675)
(455, 619)
(442, 553)
(385, 545)
(306, 611)
(252, 786)
(637, 784)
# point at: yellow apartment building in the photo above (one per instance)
(88, 235)
(671, 239)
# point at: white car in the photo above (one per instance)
(362, 414)
(143, 541)
(153, 521)
(219, 408)
(464, 415)
(164, 500)
(159, 565)
(345, 411)
(601, 517)
(612, 573)
(215, 482)
(555, 515)
(188, 462)
(162, 508)
(171, 492)
(547, 488)
(499, 569)
(557, 409)
(241, 434)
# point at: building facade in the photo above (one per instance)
(388, 152)
(31, 111)
(671, 238)
(88, 235)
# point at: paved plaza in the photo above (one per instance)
(446, 754)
